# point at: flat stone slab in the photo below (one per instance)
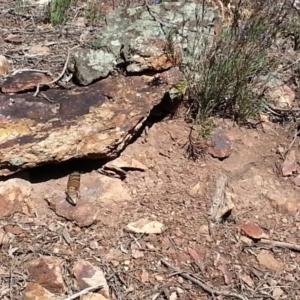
(94, 122)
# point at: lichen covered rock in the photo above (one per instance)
(94, 122)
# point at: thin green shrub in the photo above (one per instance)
(225, 79)
(57, 11)
(93, 13)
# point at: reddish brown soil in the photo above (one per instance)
(165, 192)
(162, 193)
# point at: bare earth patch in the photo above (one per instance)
(176, 192)
(190, 256)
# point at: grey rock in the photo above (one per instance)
(143, 38)
(90, 65)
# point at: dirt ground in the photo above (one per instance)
(172, 190)
(178, 193)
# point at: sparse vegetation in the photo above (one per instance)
(57, 11)
(145, 222)
(20, 6)
(92, 12)
(225, 80)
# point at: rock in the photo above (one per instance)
(170, 77)
(39, 50)
(95, 190)
(282, 204)
(277, 293)
(258, 180)
(47, 272)
(159, 278)
(195, 255)
(80, 22)
(13, 193)
(277, 200)
(113, 191)
(296, 180)
(95, 122)
(251, 230)
(35, 291)
(204, 230)
(180, 290)
(281, 95)
(227, 273)
(197, 190)
(145, 226)
(93, 296)
(119, 167)
(173, 296)
(148, 33)
(84, 207)
(150, 54)
(90, 65)
(267, 260)
(138, 39)
(247, 279)
(144, 276)
(88, 275)
(14, 39)
(24, 81)
(246, 240)
(292, 207)
(296, 5)
(289, 165)
(137, 254)
(220, 145)
(114, 255)
(290, 277)
(5, 66)
(94, 245)
(13, 229)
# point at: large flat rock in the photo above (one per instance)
(95, 122)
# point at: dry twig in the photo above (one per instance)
(278, 244)
(201, 284)
(11, 280)
(60, 75)
(28, 70)
(85, 291)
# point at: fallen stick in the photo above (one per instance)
(59, 76)
(278, 244)
(201, 284)
(85, 291)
